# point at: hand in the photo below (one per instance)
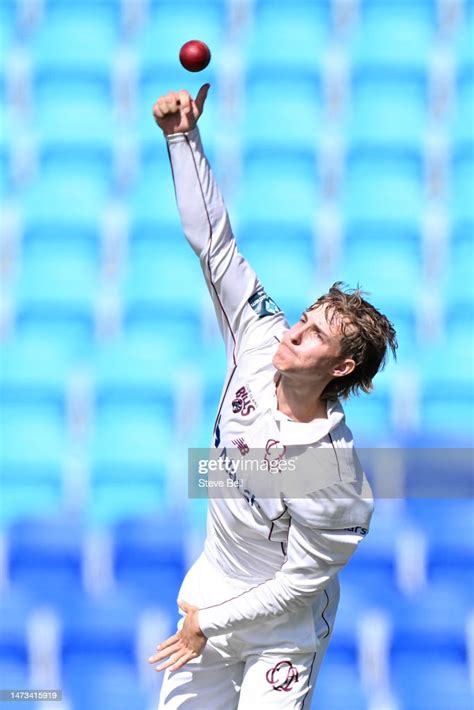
(177, 112)
(188, 643)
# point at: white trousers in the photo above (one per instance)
(259, 668)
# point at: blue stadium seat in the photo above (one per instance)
(163, 268)
(45, 557)
(33, 427)
(94, 684)
(454, 348)
(8, 24)
(436, 400)
(448, 523)
(98, 632)
(34, 364)
(389, 107)
(74, 105)
(66, 27)
(370, 418)
(458, 286)
(170, 332)
(339, 685)
(137, 363)
(430, 681)
(282, 256)
(65, 196)
(29, 489)
(149, 558)
(433, 620)
(395, 33)
(277, 198)
(15, 606)
(67, 332)
(59, 265)
(463, 114)
(288, 35)
(382, 184)
(464, 43)
(462, 190)
(152, 197)
(130, 453)
(283, 89)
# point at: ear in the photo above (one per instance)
(344, 367)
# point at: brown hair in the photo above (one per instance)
(366, 336)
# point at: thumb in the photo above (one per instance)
(184, 606)
(201, 97)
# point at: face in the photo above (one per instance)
(312, 347)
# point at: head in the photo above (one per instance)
(340, 343)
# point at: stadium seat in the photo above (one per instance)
(152, 197)
(66, 27)
(59, 265)
(462, 124)
(45, 557)
(163, 268)
(295, 35)
(66, 196)
(277, 198)
(436, 400)
(74, 106)
(370, 419)
(288, 276)
(98, 633)
(430, 681)
(331, 693)
(448, 523)
(159, 329)
(8, 24)
(95, 684)
(283, 89)
(389, 107)
(422, 625)
(149, 558)
(67, 332)
(15, 606)
(130, 452)
(458, 283)
(33, 427)
(394, 34)
(383, 185)
(462, 191)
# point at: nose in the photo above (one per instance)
(295, 332)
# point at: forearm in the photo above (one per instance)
(292, 587)
(201, 207)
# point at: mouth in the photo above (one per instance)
(286, 346)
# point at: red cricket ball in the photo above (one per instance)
(194, 55)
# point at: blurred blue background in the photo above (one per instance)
(342, 135)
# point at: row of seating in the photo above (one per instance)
(413, 26)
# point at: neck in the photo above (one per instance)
(299, 400)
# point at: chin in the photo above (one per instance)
(280, 363)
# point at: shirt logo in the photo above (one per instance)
(274, 453)
(262, 304)
(282, 676)
(241, 445)
(243, 403)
